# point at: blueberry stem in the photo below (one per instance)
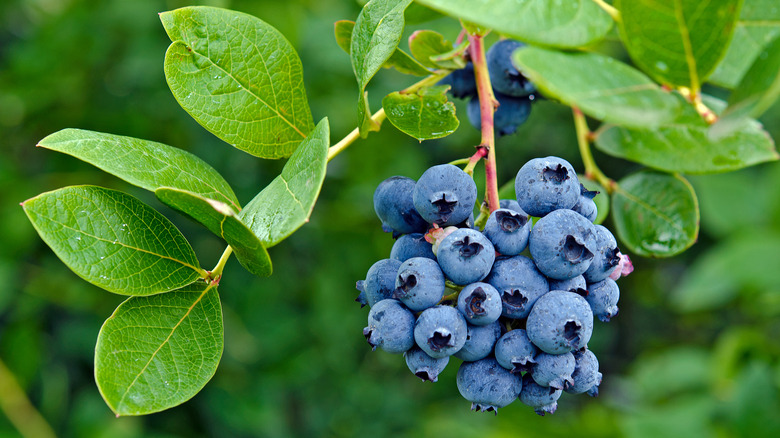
(474, 159)
(592, 171)
(694, 97)
(380, 116)
(487, 106)
(18, 408)
(609, 9)
(216, 274)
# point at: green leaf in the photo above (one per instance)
(286, 204)
(143, 163)
(239, 78)
(758, 24)
(746, 262)
(655, 214)
(426, 45)
(600, 86)
(223, 221)
(568, 24)
(601, 200)
(758, 90)
(157, 352)
(424, 115)
(399, 60)
(677, 42)
(375, 38)
(113, 240)
(685, 146)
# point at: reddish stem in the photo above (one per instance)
(487, 106)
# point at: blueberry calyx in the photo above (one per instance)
(514, 298)
(445, 206)
(510, 221)
(477, 407)
(474, 303)
(590, 194)
(612, 258)
(558, 174)
(574, 251)
(467, 248)
(571, 331)
(367, 333)
(425, 376)
(407, 284)
(439, 340)
(522, 365)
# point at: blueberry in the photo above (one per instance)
(606, 257)
(553, 370)
(515, 352)
(465, 256)
(390, 327)
(419, 283)
(508, 230)
(563, 244)
(511, 204)
(576, 284)
(519, 283)
(440, 331)
(424, 366)
(480, 303)
(560, 322)
(487, 385)
(380, 281)
(445, 195)
(361, 298)
(462, 82)
(480, 340)
(504, 76)
(546, 184)
(585, 205)
(510, 114)
(542, 399)
(603, 297)
(411, 245)
(394, 206)
(586, 376)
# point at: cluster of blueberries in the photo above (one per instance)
(513, 91)
(520, 324)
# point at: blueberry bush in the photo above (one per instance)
(663, 95)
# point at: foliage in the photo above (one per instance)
(284, 328)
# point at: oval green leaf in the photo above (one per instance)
(428, 47)
(375, 37)
(600, 86)
(758, 24)
(686, 40)
(568, 24)
(286, 204)
(157, 352)
(146, 164)
(399, 60)
(113, 240)
(655, 214)
(685, 146)
(424, 115)
(223, 221)
(239, 78)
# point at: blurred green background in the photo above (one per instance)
(694, 351)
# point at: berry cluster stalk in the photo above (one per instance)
(584, 137)
(487, 106)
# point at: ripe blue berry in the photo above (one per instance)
(394, 207)
(487, 385)
(411, 245)
(586, 376)
(576, 284)
(440, 331)
(562, 244)
(480, 303)
(519, 283)
(511, 204)
(515, 352)
(380, 281)
(508, 230)
(510, 114)
(553, 370)
(480, 340)
(390, 327)
(585, 205)
(465, 256)
(606, 257)
(445, 195)
(560, 322)
(504, 76)
(546, 184)
(419, 283)
(462, 82)
(603, 297)
(542, 399)
(424, 366)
